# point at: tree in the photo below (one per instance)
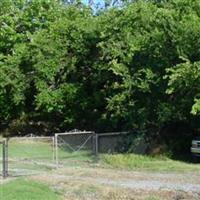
(132, 65)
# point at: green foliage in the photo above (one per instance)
(61, 80)
(19, 20)
(184, 81)
(124, 67)
(12, 86)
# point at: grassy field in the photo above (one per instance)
(140, 162)
(21, 189)
(39, 150)
(29, 156)
(23, 155)
(30, 149)
(26, 156)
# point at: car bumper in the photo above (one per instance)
(195, 150)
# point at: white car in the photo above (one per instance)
(195, 148)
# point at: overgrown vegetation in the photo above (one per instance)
(140, 162)
(136, 66)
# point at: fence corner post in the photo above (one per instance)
(95, 144)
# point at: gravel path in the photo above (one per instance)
(152, 182)
(147, 185)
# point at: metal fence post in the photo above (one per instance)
(53, 149)
(56, 150)
(4, 155)
(6, 150)
(95, 144)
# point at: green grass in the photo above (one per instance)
(32, 150)
(21, 152)
(26, 190)
(41, 151)
(38, 155)
(29, 155)
(160, 163)
(80, 155)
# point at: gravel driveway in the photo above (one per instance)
(121, 180)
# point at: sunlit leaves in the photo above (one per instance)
(184, 82)
(131, 66)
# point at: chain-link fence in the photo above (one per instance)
(77, 147)
(120, 142)
(30, 155)
(110, 142)
(73, 147)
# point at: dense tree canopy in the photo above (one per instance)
(128, 66)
